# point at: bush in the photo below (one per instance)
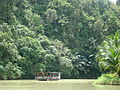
(10, 71)
(108, 79)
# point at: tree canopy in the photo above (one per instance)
(55, 36)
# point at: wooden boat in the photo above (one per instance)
(48, 76)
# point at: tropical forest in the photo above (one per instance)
(79, 38)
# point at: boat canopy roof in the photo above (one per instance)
(45, 73)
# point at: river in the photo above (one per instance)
(67, 84)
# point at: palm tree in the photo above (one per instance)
(109, 54)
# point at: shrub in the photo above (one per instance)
(108, 79)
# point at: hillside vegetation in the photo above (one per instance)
(54, 36)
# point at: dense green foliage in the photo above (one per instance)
(108, 79)
(54, 36)
(109, 54)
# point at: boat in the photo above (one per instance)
(48, 76)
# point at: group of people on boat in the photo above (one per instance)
(45, 76)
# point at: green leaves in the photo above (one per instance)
(9, 54)
(45, 35)
(51, 15)
(11, 71)
(109, 54)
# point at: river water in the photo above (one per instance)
(70, 84)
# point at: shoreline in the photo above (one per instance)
(92, 81)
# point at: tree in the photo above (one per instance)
(10, 71)
(109, 54)
(45, 35)
(9, 55)
(51, 15)
(32, 54)
(58, 57)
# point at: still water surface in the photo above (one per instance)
(54, 85)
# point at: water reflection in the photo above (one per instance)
(54, 85)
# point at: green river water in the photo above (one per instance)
(71, 84)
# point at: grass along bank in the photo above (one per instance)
(108, 79)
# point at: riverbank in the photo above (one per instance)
(108, 79)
